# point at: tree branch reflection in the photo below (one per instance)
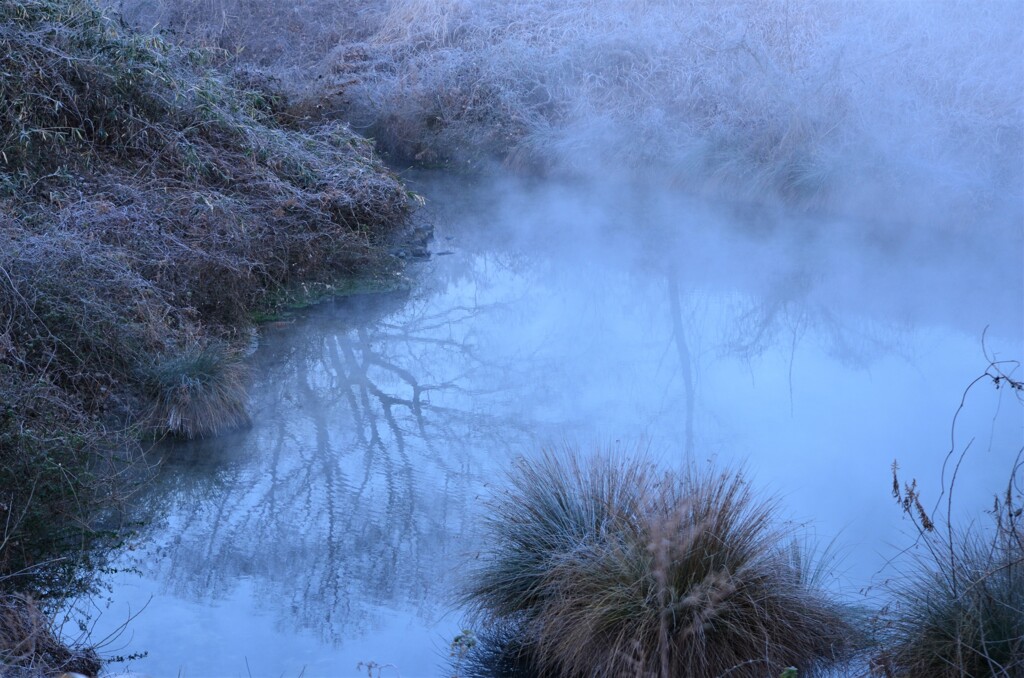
(353, 488)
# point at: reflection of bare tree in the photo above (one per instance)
(375, 427)
(790, 307)
(685, 359)
(354, 488)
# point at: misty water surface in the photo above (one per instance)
(815, 351)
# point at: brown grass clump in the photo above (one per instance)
(607, 568)
(200, 392)
(960, 617)
(958, 608)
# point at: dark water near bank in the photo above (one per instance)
(337, 529)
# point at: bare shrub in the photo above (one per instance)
(30, 647)
(604, 567)
(958, 604)
(72, 304)
(60, 486)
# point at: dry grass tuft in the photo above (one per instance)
(606, 567)
(200, 392)
(498, 650)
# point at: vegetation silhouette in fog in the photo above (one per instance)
(961, 613)
(602, 565)
(903, 112)
(31, 646)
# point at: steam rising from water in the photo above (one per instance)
(907, 113)
(336, 530)
(787, 228)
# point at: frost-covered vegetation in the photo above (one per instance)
(960, 610)
(600, 565)
(896, 112)
(158, 188)
(957, 605)
(148, 205)
(607, 567)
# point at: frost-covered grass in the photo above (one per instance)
(150, 200)
(957, 601)
(606, 567)
(149, 204)
(200, 391)
(902, 112)
(960, 610)
(884, 108)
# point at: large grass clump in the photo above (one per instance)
(964, 615)
(200, 391)
(606, 567)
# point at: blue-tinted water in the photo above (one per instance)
(336, 530)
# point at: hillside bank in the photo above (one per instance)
(151, 204)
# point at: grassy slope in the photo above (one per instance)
(148, 206)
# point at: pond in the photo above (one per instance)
(813, 351)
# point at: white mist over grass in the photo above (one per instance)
(905, 114)
(908, 113)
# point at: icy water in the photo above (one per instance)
(337, 529)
